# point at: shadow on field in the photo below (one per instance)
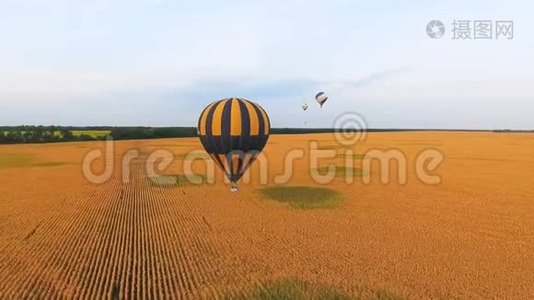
(341, 171)
(176, 180)
(184, 156)
(21, 160)
(304, 197)
(298, 289)
(333, 147)
(354, 156)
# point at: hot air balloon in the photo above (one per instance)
(233, 131)
(304, 106)
(321, 98)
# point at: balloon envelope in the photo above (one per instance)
(321, 98)
(233, 131)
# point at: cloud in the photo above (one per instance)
(375, 77)
(282, 89)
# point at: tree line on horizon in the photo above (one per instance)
(51, 134)
(38, 134)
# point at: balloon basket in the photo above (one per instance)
(234, 188)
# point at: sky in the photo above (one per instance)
(159, 63)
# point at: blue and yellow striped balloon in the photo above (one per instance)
(233, 131)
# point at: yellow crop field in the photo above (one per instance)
(91, 133)
(142, 236)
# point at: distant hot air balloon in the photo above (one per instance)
(304, 106)
(321, 98)
(233, 131)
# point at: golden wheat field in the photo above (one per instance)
(471, 236)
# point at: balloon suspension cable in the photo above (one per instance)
(234, 187)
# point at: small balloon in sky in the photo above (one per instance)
(321, 98)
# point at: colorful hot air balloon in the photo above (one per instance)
(304, 106)
(321, 98)
(233, 131)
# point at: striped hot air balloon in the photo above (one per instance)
(233, 131)
(321, 98)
